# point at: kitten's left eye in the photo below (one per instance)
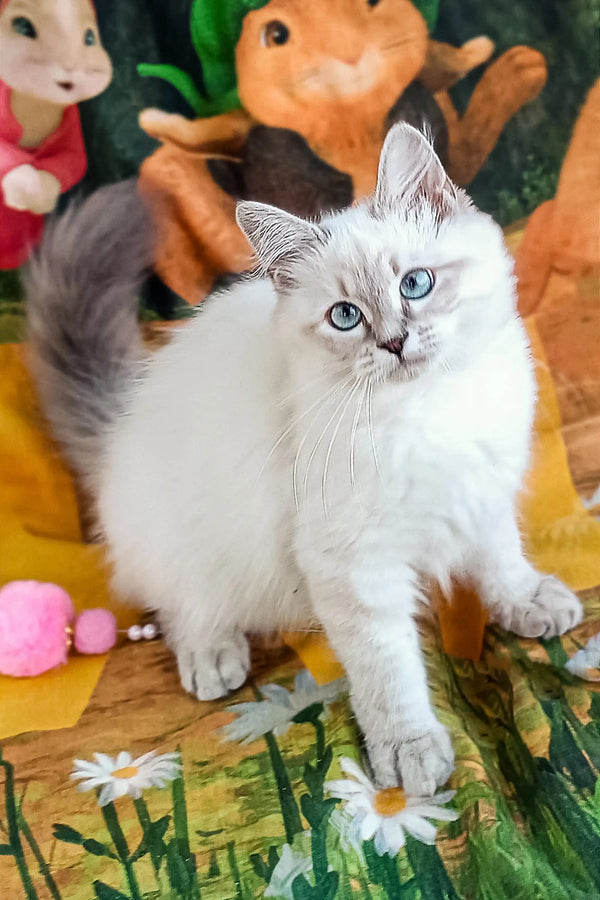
(89, 38)
(344, 316)
(416, 284)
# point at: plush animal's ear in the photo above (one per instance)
(410, 172)
(278, 239)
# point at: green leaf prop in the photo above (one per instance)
(215, 28)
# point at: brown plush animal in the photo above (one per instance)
(558, 270)
(319, 90)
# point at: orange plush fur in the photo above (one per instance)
(333, 82)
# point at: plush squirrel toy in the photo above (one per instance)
(51, 58)
(297, 100)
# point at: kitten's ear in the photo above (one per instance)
(278, 238)
(410, 172)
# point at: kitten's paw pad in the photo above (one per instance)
(553, 610)
(421, 762)
(213, 672)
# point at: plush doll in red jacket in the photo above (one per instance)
(51, 58)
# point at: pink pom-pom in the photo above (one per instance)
(95, 631)
(33, 622)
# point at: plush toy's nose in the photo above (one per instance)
(396, 345)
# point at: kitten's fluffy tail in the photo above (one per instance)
(82, 297)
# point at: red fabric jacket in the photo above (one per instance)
(62, 154)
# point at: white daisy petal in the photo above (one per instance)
(91, 783)
(352, 768)
(393, 834)
(276, 694)
(419, 828)
(379, 842)
(106, 795)
(145, 757)
(369, 826)
(120, 787)
(443, 797)
(343, 788)
(123, 759)
(435, 812)
(304, 682)
(107, 762)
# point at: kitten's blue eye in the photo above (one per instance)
(344, 316)
(24, 27)
(89, 38)
(416, 284)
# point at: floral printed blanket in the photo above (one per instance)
(154, 795)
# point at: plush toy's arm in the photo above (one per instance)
(64, 156)
(445, 64)
(216, 135)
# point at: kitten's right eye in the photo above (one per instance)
(274, 34)
(344, 316)
(23, 26)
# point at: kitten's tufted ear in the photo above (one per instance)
(410, 172)
(279, 239)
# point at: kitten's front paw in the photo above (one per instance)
(552, 610)
(422, 761)
(212, 672)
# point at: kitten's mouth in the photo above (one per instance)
(66, 85)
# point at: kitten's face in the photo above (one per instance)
(412, 280)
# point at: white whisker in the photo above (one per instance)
(292, 425)
(325, 402)
(370, 425)
(355, 421)
(351, 394)
(318, 442)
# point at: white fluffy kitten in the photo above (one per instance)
(321, 443)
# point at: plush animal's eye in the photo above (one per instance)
(416, 284)
(24, 27)
(89, 38)
(344, 316)
(373, 2)
(275, 33)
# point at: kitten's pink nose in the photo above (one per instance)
(396, 345)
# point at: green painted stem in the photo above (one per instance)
(320, 735)
(42, 864)
(116, 832)
(235, 872)
(180, 823)
(14, 838)
(289, 808)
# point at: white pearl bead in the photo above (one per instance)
(149, 631)
(134, 633)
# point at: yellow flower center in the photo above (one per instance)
(389, 801)
(125, 772)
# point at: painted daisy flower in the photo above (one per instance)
(290, 865)
(276, 712)
(125, 775)
(387, 814)
(586, 662)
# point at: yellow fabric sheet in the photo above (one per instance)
(40, 538)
